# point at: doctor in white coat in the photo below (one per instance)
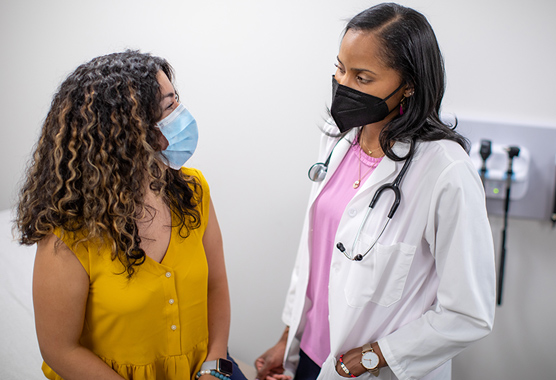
(373, 297)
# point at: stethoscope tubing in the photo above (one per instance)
(317, 173)
(395, 187)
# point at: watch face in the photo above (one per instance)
(225, 366)
(370, 360)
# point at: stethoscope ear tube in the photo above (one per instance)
(397, 197)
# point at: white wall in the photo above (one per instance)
(256, 74)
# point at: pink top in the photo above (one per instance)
(327, 212)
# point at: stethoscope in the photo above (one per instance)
(317, 173)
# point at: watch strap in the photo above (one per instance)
(367, 347)
(209, 365)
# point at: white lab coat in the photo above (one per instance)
(427, 290)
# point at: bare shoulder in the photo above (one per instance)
(60, 292)
(55, 260)
(51, 244)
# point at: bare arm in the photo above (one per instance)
(60, 290)
(218, 295)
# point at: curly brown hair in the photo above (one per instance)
(97, 149)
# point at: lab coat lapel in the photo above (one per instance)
(337, 157)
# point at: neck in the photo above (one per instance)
(369, 140)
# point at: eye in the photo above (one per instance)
(170, 106)
(339, 68)
(363, 80)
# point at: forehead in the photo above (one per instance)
(361, 49)
(166, 86)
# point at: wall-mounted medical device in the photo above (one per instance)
(517, 167)
(533, 185)
(495, 168)
(502, 168)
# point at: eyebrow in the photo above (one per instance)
(355, 69)
(169, 95)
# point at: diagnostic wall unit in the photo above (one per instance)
(538, 144)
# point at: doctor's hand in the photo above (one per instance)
(352, 360)
(269, 365)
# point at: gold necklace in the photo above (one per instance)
(369, 150)
(358, 182)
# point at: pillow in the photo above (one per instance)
(20, 357)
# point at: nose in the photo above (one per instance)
(346, 80)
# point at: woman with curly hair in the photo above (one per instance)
(129, 279)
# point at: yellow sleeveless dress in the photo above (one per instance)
(154, 325)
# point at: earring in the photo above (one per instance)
(402, 105)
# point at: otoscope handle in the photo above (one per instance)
(485, 151)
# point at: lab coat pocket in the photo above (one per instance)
(380, 277)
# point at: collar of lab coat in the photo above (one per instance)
(384, 172)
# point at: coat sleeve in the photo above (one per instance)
(460, 239)
(327, 142)
(287, 313)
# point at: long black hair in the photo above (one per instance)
(409, 46)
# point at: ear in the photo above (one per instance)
(409, 91)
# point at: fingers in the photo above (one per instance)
(276, 376)
(269, 365)
(263, 371)
(282, 377)
(259, 363)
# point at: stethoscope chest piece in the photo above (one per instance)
(317, 172)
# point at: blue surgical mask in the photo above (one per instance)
(180, 129)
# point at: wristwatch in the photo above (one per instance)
(369, 359)
(222, 366)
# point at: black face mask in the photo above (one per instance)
(352, 108)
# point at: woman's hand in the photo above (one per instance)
(207, 377)
(269, 365)
(352, 360)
